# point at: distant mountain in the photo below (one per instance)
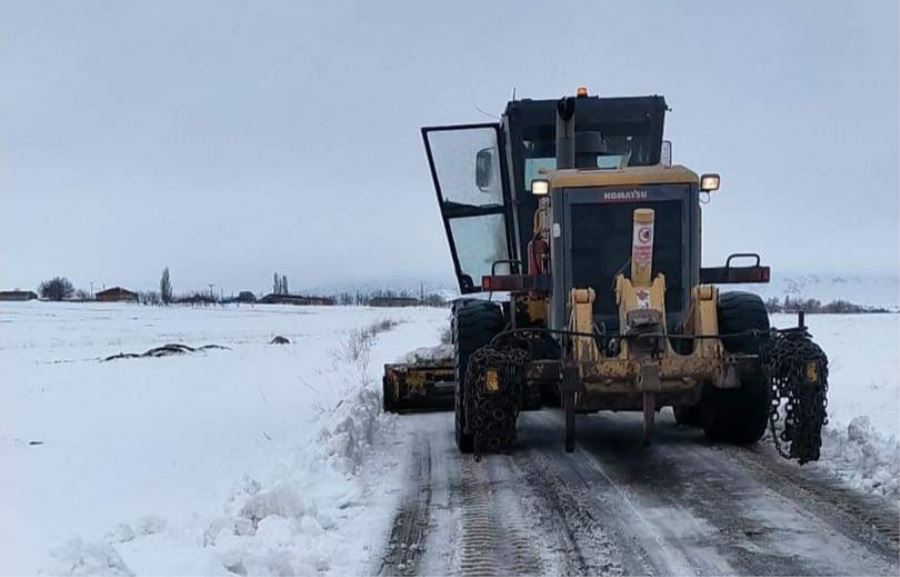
(871, 290)
(411, 286)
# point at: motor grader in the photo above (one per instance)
(572, 211)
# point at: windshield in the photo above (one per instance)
(540, 155)
(537, 167)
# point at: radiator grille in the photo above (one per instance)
(601, 248)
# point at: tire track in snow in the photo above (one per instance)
(763, 525)
(494, 537)
(648, 538)
(857, 512)
(613, 508)
(693, 510)
(573, 530)
(411, 523)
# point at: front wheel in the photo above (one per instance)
(687, 416)
(475, 323)
(739, 415)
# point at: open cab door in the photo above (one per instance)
(468, 168)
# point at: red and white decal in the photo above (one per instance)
(642, 244)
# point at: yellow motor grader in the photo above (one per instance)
(572, 210)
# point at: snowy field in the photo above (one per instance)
(242, 460)
(271, 459)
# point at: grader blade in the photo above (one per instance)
(419, 387)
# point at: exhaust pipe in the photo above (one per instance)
(575, 149)
(565, 133)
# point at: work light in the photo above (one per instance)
(709, 182)
(540, 186)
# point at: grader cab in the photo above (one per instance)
(574, 210)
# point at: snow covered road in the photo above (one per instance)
(680, 507)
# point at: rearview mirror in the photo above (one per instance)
(484, 169)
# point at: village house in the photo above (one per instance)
(296, 300)
(17, 295)
(117, 294)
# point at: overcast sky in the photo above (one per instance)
(229, 139)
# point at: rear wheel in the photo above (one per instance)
(739, 415)
(475, 323)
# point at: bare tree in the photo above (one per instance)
(165, 287)
(150, 298)
(276, 284)
(284, 286)
(56, 289)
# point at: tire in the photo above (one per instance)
(687, 416)
(741, 415)
(738, 312)
(475, 323)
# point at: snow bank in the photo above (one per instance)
(79, 558)
(864, 458)
(295, 522)
(346, 441)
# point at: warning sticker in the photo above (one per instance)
(642, 249)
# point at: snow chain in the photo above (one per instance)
(798, 375)
(492, 397)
